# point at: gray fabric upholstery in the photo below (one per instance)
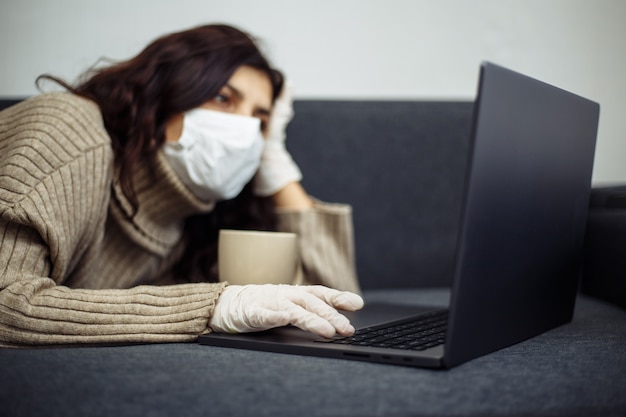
(574, 370)
(604, 268)
(401, 165)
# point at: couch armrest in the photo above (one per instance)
(604, 264)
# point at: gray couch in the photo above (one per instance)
(401, 166)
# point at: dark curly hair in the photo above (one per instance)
(173, 74)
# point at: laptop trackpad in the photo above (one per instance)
(378, 313)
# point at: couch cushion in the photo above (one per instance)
(574, 370)
(401, 165)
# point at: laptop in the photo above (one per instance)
(519, 245)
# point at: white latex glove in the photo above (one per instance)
(251, 308)
(277, 167)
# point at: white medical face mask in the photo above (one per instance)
(217, 153)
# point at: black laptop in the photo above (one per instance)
(520, 241)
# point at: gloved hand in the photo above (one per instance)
(251, 308)
(277, 167)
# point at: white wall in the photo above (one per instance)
(380, 49)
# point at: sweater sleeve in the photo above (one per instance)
(36, 311)
(326, 244)
(53, 202)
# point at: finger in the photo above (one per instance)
(310, 322)
(286, 93)
(317, 306)
(342, 300)
(284, 102)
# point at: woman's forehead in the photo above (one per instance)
(252, 85)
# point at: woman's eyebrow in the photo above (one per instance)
(234, 90)
(261, 111)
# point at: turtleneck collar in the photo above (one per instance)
(164, 204)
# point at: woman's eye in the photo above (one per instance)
(221, 98)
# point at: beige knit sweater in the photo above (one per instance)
(76, 268)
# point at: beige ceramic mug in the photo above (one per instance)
(256, 257)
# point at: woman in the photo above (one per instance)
(108, 226)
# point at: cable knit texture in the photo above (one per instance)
(326, 244)
(75, 267)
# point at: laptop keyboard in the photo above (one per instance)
(421, 333)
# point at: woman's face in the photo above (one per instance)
(248, 92)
